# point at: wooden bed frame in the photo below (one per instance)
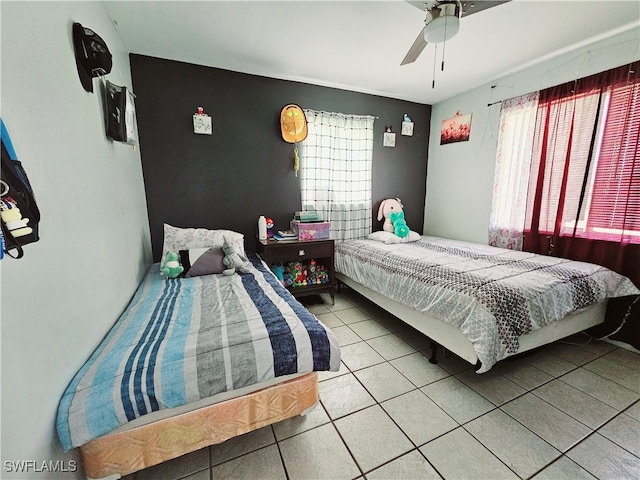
(120, 453)
(452, 339)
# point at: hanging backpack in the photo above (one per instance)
(19, 212)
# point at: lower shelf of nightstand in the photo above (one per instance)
(304, 291)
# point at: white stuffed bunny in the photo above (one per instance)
(388, 206)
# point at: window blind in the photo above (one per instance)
(585, 167)
(615, 202)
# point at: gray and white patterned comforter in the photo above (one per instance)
(492, 295)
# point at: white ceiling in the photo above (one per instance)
(358, 45)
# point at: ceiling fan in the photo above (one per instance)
(443, 21)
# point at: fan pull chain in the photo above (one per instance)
(442, 67)
(444, 43)
(435, 56)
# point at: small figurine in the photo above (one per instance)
(312, 278)
(298, 274)
(288, 278)
(323, 275)
(269, 227)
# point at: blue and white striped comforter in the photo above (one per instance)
(186, 339)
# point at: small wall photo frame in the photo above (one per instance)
(202, 123)
(407, 129)
(407, 126)
(455, 129)
(389, 139)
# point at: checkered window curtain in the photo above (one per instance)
(335, 171)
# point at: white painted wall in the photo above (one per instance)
(460, 175)
(60, 300)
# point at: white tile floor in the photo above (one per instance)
(568, 411)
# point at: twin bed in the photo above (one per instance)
(480, 302)
(195, 361)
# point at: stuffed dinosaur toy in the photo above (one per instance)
(172, 267)
(233, 260)
(399, 224)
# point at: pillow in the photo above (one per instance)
(176, 239)
(202, 261)
(388, 237)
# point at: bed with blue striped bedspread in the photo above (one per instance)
(186, 339)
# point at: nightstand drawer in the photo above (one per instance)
(303, 251)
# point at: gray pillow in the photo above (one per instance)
(202, 261)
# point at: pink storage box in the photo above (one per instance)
(311, 230)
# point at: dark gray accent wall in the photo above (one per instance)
(245, 169)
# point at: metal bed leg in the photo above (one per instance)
(434, 352)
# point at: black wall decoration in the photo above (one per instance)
(245, 169)
(93, 58)
(120, 112)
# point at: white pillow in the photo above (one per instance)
(176, 239)
(388, 237)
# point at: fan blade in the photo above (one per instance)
(469, 8)
(416, 49)
(424, 5)
(421, 5)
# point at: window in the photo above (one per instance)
(513, 161)
(585, 166)
(581, 166)
(335, 171)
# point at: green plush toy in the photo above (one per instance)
(233, 260)
(172, 267)
(400, 227)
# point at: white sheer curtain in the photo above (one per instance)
(335, 171)
(513, 161)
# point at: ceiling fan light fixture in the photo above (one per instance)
(442, 22)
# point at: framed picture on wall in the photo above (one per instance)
(455, 129)
(120, 112)
(389, 139)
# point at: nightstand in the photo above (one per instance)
(322, 251)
